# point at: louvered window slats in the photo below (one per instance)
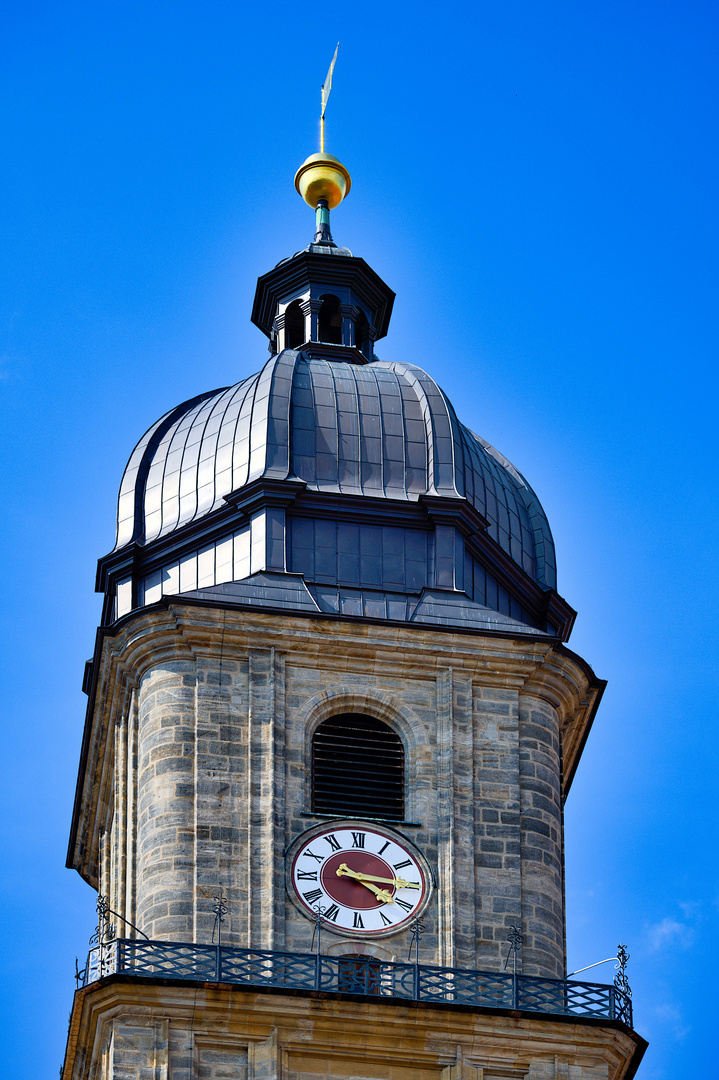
(357, 768)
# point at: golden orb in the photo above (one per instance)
(322, 176)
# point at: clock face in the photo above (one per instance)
(363, 880)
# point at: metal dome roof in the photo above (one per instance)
(383, 429)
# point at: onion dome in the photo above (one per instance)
(331, 482)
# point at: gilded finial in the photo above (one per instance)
(322, 180)
(322, 176)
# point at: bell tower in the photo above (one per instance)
(332, 722)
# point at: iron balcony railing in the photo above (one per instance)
(354, 975)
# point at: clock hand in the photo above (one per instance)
(381, 894)
(398, 881)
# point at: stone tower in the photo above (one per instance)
(332, 722)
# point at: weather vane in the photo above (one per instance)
(326, 87)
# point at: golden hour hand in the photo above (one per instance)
(399, 882)
(381, 894)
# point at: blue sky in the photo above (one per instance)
(538, 184)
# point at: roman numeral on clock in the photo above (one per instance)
(332, 841)
(313, 896)
(385, 920)
(402, 904)
(358, 924)
(399, 865)
(311, 855)
(331, 913)
(307, 875)
(358, 839)
(385, 845)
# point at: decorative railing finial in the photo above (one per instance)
(514, 937)
(620, 979)
(104, 931)
(103, 935)
(220, 909)
(416, 930)
(319, 910)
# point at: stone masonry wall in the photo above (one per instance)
(224, 727)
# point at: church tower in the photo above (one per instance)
(332, 722)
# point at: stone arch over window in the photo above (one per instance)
(381, 706)
(294, 325)
(330, 320)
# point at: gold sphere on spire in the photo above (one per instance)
(322, 176)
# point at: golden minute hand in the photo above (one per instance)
(398, 881)
(381, 894)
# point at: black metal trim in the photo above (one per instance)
(489, 991)
(291, 275)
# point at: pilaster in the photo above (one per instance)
(311, 312)
(166, 852)
(445, 820)
(220, 787)
(350, 313)
(463, 824)
(265, 792)
(264, 1059)
(497, 802)
(541, 839)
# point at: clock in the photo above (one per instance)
(364, 880)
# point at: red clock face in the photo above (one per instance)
(361, 879)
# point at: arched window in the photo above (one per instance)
(294, 326)
(330, 320)
(357, 768)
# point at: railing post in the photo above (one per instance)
(416, 982)
(319, 911)
(118, 955)
(612, 1003)
(515, 991)
(218, 963)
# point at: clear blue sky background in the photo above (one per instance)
(538, 183)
